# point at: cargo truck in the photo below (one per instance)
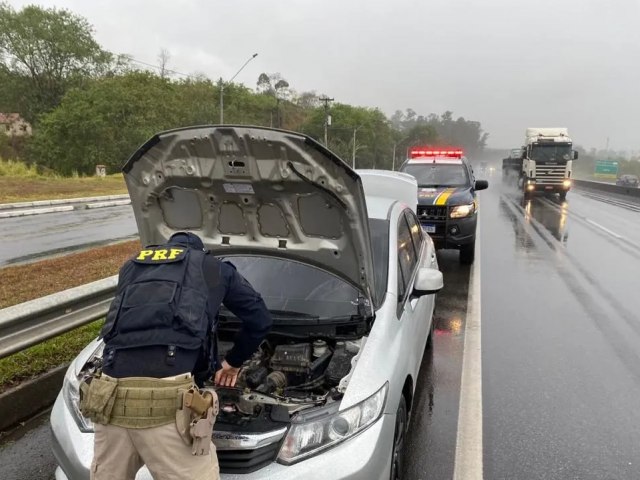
(545, 163)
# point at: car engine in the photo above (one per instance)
(281, 379)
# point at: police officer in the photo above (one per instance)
(159, 340)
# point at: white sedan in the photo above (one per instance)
(344, 267)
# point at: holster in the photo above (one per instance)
(198, 406)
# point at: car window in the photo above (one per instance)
(438, 174)
(406, 253)
(379, 233)
(416, 231)
(297, 287)
(302, 288)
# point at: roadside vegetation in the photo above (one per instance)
(26, 282)
(89, 106)
(27, 188)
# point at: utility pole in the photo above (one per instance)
(327, 118)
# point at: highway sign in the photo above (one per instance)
(606, 169)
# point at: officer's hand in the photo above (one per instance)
(227, 375)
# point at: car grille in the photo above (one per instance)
(550, 175)
(432, 212)
(247, 461)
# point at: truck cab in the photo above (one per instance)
(547, 161)
(447, 204)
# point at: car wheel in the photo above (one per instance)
(397, 455)
(468, 253)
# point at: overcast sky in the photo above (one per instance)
(509, 64)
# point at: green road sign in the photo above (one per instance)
(606, 169)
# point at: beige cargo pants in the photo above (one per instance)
(120, 452)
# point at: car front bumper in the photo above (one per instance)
(365, 456)
(453, 232)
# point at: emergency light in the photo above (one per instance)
(420, 152)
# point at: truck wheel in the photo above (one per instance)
(468, 253)
(563, 196)
(397, 454)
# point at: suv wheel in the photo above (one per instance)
(468, 253)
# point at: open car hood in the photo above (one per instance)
(253, 190)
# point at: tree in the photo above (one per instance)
(163, 60)
(105, 122)
(374, 136)
(274, 85)
(45, 52)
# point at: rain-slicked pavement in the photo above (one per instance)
(560, 348)
(32, 237)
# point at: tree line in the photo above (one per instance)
(89, 106)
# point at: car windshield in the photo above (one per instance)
(541, 153)
(438, 174)
(290, 287)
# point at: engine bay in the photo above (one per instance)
(284, 377)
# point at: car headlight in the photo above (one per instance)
(314, 431)
(71, 392)
(462, 211)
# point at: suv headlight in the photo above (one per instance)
(71, 390)
(462, 211)
(314, 431)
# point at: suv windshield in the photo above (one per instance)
(438, 174)
(290, 286)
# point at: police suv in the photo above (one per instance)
(447, 203)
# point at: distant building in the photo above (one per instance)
(13, 125)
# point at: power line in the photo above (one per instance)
(158, 67)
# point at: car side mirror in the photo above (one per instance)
(575, 154)
(481, 185)
(428, 281)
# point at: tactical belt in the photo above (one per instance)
(134, 402)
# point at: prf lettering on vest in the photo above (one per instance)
(174, 252)
(159, 255)
(144, 254)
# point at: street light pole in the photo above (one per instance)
(395, 144)
(230, 80)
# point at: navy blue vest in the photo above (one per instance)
(161, 306)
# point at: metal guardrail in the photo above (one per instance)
(30, 323)
(607, 187)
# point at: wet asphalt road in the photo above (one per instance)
(29, 238)
(560, 338)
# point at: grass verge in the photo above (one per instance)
(45, 356)
(20, 189)
(27, 282)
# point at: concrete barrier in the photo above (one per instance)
(607, 187)
(61, 201)
(35, 211)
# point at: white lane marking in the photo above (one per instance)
(468, 460)
(604, 229)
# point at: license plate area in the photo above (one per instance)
(429, 228)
